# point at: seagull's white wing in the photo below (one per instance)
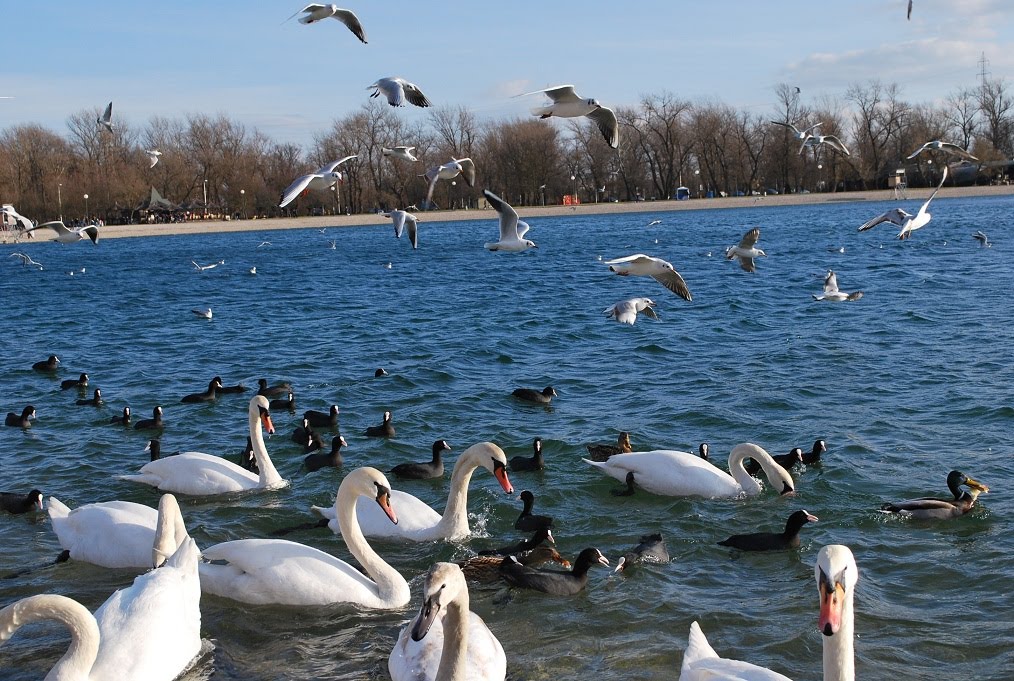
(812, 127)
(918, 151)
(830, 283)
(895, 216)
(330, 167)
(55, 225)
(624, 311)
(91, 231)
(398, 217)
(639, 258)
(508, 216)
(523, 228)
(943, 177)
(352, 21)
(558, 93)
(957, 151)
(834, 143)
(790, 126)
(433, 174)
(107, 115)
(292, 191)
(413, 230)
(467, 170)
(606, 120)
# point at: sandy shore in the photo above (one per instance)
(653, 207)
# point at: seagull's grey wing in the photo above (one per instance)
(55, 225)
(749, 239)
(606, 120)
(957, 151)
(352, 21)
(413, 231)
(895, 216)
(467, 170)
(918, 151)
(398, 217)
(92, 232)
(508, 216)
(812, 127)
(640, 258)
(650, 312)
(835, 143)
(107, 115)
(672, 280)
(943, 178)
(558, 93)
(415, 95)
(788, 125)
(330, 167)
(747, 264)
(433, 174)
(523, 228)
(308, 8)
(830, 283)
(292, 191)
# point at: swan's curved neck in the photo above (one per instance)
(76, 663)
(454, 522)
(839, 651)
(390, 585)
(738, 470)
(269, 477)
(454, 655)
(170, 531)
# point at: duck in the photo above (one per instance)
(786, 461)
(232, 389)
(303, 433)
(813, 456)
(380, 372)
(154, 423)
(154, 450)
(677, 474)
(929, 508)
(196, 473)
(528, 521)
(47, 365)
(446, 641)
(599, 452)
(701, 663)
(529, 463)
(81, 382)
(540, 535)
(426, 469)
(18, 503)
(385, 429)
(553, 581)
(23, 421)
(247, 459)
(650, 550)
(276, 390)
(282, 572)
(284, 404)
(419, 522)
(149, 631)
(486, 568)
(628, 490)
(123, 419)
(317, 460)
(544, 396)
(208, 395)
(315, 444)
(837, 575)
(772, 541)
(94, 401)
(322, 419)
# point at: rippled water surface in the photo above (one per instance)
(904, 385)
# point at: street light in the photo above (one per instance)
(450, 202)
(86, 206)
(542, 188)
(573, 178)
(242, 196)
(59, 199)
(205, 197)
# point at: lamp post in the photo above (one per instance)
(242, 196)
(450, 201)
(820, 177)
(86, 206)
(542, 188)
(59, 199)
(573, 178)
(205, 197)
(697, 179)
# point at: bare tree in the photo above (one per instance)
(995, 103)
(878, 118)
(962, 111)
(659, 130)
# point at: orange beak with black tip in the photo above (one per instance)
(500, 473)
(266, 422)
(384, 501)
(832, 601)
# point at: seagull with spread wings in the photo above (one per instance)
(832, 293)
(626, 311)
(22, 224)
(398, 91)
(456, 166)
(324, 178)
(567, 104)
(402, 220)
(661, 271)
(816, 141)
(153, 155)
(801, 135)
(746, 250)
(66, 235)
(403, 153)
(946, 147)
(106, 119)
(315, 13)
(26, 260)
(908, 222)
(512, 230)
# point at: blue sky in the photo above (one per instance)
(176, 57)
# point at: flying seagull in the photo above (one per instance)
(946, 147)
(814, 141)
(26, 260)
(403, 219)
(456, 166)
(65, 235)
(106, 119)
(654, 222)
(324, 178)
(746, 250)
(153, 155)
(203, 313)
(832, 293)
(656, 268)
(625, 311)
(315, 13)
(397, 90)
(512, 230)
(404, 153)
(201, 268)
(908, 222)
(801, 135)
(9, 212)
(567, 104)
(979, 236)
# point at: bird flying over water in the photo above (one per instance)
(65, 235)
(656, 268)
(26, 260)
(106, 119)
(512, 230)
(456, 166)
(625, 311)
(398, 90)
(908, 222)
(979, 236)
(403, 153)
(315, 13)
(946, 147)
(23, 224)
(746, 250)
(567, 104)
(153, 155)
(324, 178)
(204, 313)
(832, 293)
(201, 268)
(403, 219)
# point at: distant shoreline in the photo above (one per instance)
(653, 207)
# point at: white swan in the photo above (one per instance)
(437, 645)
(149, 631)
(701, 663)
(837, 574)
(276, 571)
(418, 521)
(678, 474)
(198, 474)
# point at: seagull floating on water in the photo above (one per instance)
(403, 153)
(398, 90)
(567, 104)
(908, 222)
(403, 219)
(654, 222)
(106, 119)
(201, 268)
(832, 293)
(456, 166)
(264, 243)
(324, 178)
(315, 13)
(65, 235)
(625, 311)
(661, 271)
(26, 260)
(946, 147)
(203, 313)
(512, 230)
(746, 250)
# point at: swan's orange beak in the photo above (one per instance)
(831, 604)
(266, 421)
(500, 473)
(384, 499)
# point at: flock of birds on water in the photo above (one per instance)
(151, 629)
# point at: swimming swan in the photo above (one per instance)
(438, 645)
(836, 574)
(196, 473)
(418, 521)
(276, 571)
(679, 474)
(701, 662)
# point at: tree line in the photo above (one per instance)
(666, 142)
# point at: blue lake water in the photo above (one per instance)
(909, 382)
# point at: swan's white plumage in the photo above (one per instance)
(702, 663)
(418, 660)
(112, 534)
